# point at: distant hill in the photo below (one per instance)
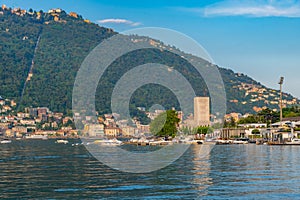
(47, 49)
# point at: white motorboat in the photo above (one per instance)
(5, 141)
(193, 142)
(160, 142)
(62, 141)
(239, 142)
(39, 137)
(223, 141)
(112, 142)
(294, 141)
(133, 140)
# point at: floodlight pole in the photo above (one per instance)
(280, 103)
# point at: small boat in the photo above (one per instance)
(112, 142)
(62, 141)
(38, 137)
(223, 142)
(76, 144)
(133, 140)
(186, 140)
(252, 141)
(160, 142)
(294, 141)
(239, 142)
(5, 141)
(193, 142)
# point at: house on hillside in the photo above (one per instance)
(73, 14)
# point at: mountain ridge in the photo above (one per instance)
(66, 39)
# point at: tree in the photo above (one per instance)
(232, 122)
(140, 115)
(248, 120)
(188, 130)
(70, 123)
(165, 124)
(269, 116)
(204, 130)
(229, 124)
(225, 124)
(255, 131)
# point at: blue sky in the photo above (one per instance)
(259, 38)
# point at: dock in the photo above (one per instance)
(282, 144)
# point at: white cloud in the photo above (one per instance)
(256, 8)
(118, 21)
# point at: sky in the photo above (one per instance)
(260, 38)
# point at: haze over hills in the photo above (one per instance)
(42, 51)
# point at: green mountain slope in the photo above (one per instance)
(48, 49)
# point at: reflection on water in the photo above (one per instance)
(252, 171)
(43, 169)
(201, 168)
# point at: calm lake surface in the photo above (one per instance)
(46, 170)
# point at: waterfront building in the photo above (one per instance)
(129, 131)
(227, 133)
(253, 125)
(143, 128)
(111, 131)
(19, 129)
(95, 130)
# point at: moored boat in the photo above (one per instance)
(5, 141)
(294, 141)
(111, 142)
(39, 137)
(62, 141)
(222, 141)
(239, 142)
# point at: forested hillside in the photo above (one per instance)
(47, 49)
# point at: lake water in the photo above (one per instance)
(46, 170)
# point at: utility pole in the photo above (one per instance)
(280, 103)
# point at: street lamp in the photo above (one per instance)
(280, 103)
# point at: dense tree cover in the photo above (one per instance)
(18, 39)
(293, 111)
(62, 48)
(197, 130)
(269, 116)
(165, 124)
(140, 115)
